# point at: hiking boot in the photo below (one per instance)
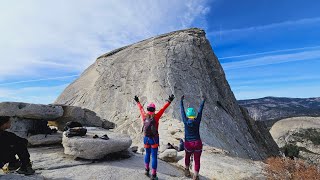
(154, 177)
(12, 166)
(187, 172)
(147, 172)
(26, 170)
(195, 177)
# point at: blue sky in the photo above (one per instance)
(266, 47)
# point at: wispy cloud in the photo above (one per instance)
(272, 59)
(288, 91)
(273, 80)
(67, 36)
(269, 52)
(267, 26)
(38, 80)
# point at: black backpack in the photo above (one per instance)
(149, 127)
(72, 124)
(76, 131)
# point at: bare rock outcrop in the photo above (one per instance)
(30, 111)
(83, 116)
(179, 63)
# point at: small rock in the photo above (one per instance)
(169, 155)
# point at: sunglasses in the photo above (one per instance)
(151, 109)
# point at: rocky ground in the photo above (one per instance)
(303, 132)
(52, 163)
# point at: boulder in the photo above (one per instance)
(42, 139)
(169, 155)
(88, 147)
(21, 126)
(83, 116)
(30, 111)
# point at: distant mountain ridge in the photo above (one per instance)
(276, 108)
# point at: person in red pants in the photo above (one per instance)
(151, 135)
(193, 143)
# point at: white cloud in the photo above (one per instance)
(69, 35)
(272, 59)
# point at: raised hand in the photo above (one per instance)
(203, 98)
(171, 98)
(136, 99)
(182, 97)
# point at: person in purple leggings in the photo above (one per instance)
(193, 143)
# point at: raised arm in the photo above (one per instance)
(183, 113)
(161, 111)
(142, 112)
(200, 110)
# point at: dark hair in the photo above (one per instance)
(4, 119)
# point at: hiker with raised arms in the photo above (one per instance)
(151, 135)
(12, 145)
(193, 143)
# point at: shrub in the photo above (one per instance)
(284, 168)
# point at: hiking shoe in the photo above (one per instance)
(26, 170)
(95, 136)
(147, 172)
(187, 172)
(195, 177)
(105, 137)
(154, 177)
(12, 166)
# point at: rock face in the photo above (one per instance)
(30, 111)
(89, 148)
(83, 116)
(179, 63)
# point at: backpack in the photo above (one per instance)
(76, 131)
(72, 124)
(149, 127)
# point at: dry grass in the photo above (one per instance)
(284, 168)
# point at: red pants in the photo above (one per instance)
(195, 148)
